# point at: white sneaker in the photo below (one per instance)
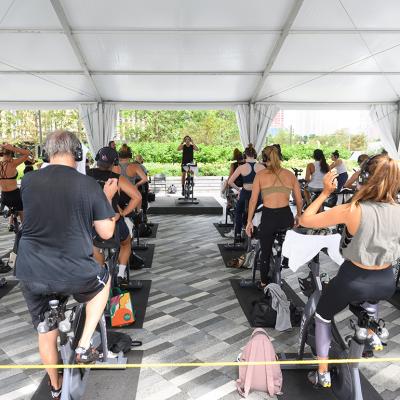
(230, 234)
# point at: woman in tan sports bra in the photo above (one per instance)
(275, 185)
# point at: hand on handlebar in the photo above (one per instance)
(110, 188)
(296, 221)
(249, 229)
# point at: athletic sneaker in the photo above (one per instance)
(86, 356)
(55, 393)
(374, 342)
(122, 282)
(230, 234)
(320, 380)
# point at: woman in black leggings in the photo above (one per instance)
(275, 185)
(369, 245)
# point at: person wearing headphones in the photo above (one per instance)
(187, 147)
(55, 254)
(275, 184)
(106, 159)
(370, 244)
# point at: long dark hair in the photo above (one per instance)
(320, 156)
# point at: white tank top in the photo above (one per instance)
(341, 168)
(317, 180)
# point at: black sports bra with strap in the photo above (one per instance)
(3, 172)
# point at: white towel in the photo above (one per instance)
(300, 249)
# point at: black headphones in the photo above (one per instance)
(116, 161)
(78, 154)
(365, 173)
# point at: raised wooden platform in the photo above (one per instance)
(171, 205)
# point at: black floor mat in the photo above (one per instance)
(8, 287)
(140, 298)
(222, 230)
(154, 229)
(395, 300)
(228, 255)
(146, 254)
(296, 387)
(105, 384)
(246, 296)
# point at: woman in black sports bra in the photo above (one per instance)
(10, 194)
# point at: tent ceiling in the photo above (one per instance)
(200, 51)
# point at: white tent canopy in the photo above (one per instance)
(168, 53)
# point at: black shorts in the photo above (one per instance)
(122, 230)
(37, 294)
(12, 199)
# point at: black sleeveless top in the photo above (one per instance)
(187, 154)
(102, 177)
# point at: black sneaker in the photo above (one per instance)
(55, 393)
(86, 356)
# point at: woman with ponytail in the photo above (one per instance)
(275, 184)
(315, 173)
(247, 172)
(340, 168)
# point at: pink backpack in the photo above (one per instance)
(263, 378)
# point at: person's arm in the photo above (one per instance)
(231, 170)
(116, 169)
(132, 192)
(137, 170)
(195, 148)
(309, 171)
(180, 147)
(352, 180)
(255, 192)
(104, 216)
(24, 152)
(233, 177)
(297, 197)
(334, 164)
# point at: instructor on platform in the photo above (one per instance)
(187, 147)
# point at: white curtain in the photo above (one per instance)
(243, 121)
(261, 117)
(386, 117)
(253, 122)
(99, 121)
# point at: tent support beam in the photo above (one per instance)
(58, 9)
(277, 48)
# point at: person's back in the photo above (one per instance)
(56, 240)
(317, 179)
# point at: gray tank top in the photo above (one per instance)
(377, 240)
(124, 168)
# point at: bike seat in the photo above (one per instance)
(105, 244)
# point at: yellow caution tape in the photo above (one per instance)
(204, 364)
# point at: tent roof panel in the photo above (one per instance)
(176, 88)
(177, 13)
(36, 52)
(177, 51)
(329, 88)
(44, 88)
(28, 14)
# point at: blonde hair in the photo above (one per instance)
(383, 183)
(271, 155)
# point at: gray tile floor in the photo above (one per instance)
(192, 315)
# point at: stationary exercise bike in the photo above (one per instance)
(188, 188)
(346, 383)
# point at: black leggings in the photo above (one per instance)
(272, 219)
(354, 284)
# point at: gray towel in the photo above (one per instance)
(281, 305)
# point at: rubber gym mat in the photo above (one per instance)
(8, 287)
(246, 296)
(104, 384)
(296, 387)
(140, 298)
(154, 229)
(228, 255)
(222, 230)
(146, 254)
(395, 300)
